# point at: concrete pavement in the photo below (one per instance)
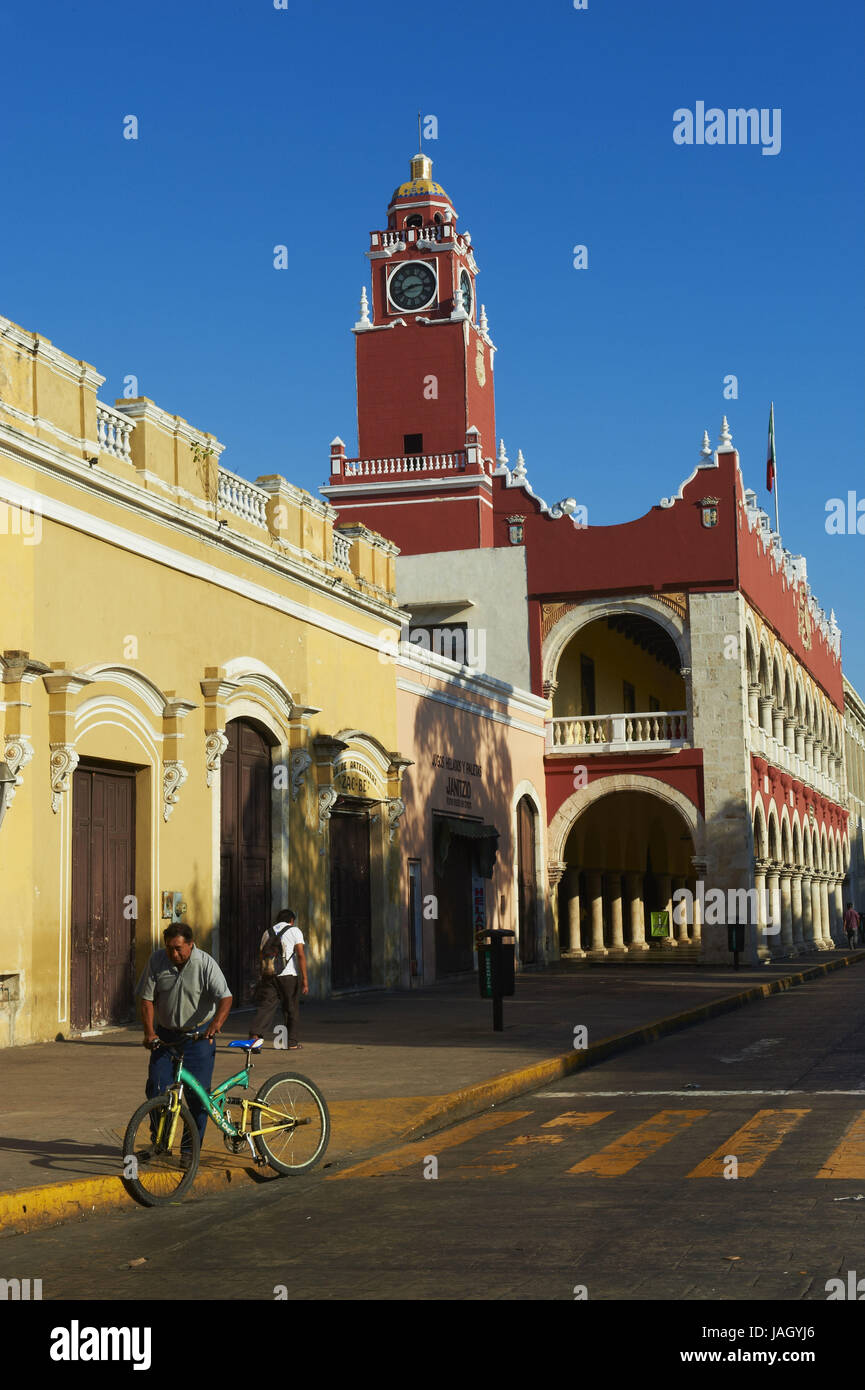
(392, 1066)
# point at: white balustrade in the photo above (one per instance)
(240, 498)
(114, 432)
(407, 463)
(341, 551)
(619, 732)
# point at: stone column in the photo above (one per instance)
(617, 938)
(800, 740)
(838, 897)
(665, 883)
(638, 916)
(790, 732)
(825, 909)
(763, 909)
(817, 914)
(572, 891)
(798, 922)
(680, 911)
(765, 703)
(778, 726)
(772, 936)
(754, 703)
(787, 946)
(808, 912)
(699, 866)
(594, 887)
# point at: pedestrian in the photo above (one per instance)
(852, 921)
(182, 990)
(289, 980)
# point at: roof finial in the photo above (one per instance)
(706, 451)
(726, 439)
(363, 321)
(419, 135)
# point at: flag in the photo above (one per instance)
(770, 456)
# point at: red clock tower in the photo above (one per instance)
(425, 398)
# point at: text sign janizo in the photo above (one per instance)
(458, 787)
(660, 924)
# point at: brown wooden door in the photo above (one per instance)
(244, 895)
(527, 881)
(103, 884)
(454, 927)
(350, 916)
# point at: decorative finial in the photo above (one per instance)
(503, 458)
(520, 467)
(482, 321)
(364, 320)
(706, 451)
(726, 439)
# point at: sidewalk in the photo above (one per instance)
(391, 1066)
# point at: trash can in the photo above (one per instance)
(496, 951)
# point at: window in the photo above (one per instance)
(415, 220)
(629, 698)
(587, 685)
(412, 444)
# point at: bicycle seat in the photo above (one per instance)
(253, 1046)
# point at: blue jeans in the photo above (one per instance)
(198, 1058)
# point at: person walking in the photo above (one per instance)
(289, 980)
(182, 990)
(852, 921)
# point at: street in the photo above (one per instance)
(725, 1162)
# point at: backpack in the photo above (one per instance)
(271, 952)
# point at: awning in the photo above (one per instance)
(445, 828)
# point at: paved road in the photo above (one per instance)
(613, 1182)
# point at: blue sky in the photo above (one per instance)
(260, 127)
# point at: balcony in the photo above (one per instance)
(652, 731)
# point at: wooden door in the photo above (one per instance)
(244, 892)
(350, 916)
(527, 881)
(454, 926)
(103, 885)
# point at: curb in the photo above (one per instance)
(30, 1208)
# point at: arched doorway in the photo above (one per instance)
(350, 903)
(245, 843)
(527, 891)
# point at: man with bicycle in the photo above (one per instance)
(182, 990)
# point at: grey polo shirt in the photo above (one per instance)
(184, 998)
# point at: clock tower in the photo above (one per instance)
(425, 397)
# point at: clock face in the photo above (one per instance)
(466, 291)
(413, 286)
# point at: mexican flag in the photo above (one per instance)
(770, 457)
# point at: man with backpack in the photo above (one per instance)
(283, 977)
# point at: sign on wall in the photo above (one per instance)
(462, 781)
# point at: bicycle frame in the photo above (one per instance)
(214, 1102)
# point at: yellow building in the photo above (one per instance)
(193, 705)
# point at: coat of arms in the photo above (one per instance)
(709, 512)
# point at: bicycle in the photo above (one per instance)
(288, 1121)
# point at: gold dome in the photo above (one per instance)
(421, 181)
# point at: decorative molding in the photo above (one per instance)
(17, 753)
(395, 809)
(555, 871)
(64, 761)
(174, 774)
(327, 799)
(299, 763)
(215, 745)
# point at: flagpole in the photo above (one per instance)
(775, 473)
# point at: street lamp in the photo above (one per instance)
(7, 783)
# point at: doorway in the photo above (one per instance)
(103, 886)
(350, 915)
(244, 894)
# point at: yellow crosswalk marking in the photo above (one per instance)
(577, 1119)
(848, 1160)
(408, 1154)
(625, 1153)
(752, 1144)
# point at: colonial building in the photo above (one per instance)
(854, 758)
(694, 751)
(196, 718)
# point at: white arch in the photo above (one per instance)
(579, 802)
(758, 814)
(118, 673)
(261, 682)
(571, 623)
(527, 788)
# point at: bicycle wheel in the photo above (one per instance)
(154, 1172)
(297, 1120)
